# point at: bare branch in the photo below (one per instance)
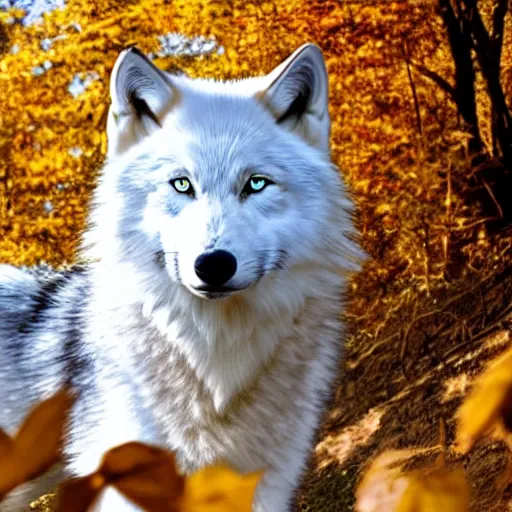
(413, 88)
(439, 80)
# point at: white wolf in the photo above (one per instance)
(208, 321)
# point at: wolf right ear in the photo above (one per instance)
(140, 94)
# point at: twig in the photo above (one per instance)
(438, 79)
(493, 197)
(448, 202)
(413, 88)
(442, 311)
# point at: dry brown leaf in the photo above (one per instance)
(147, 476)
(37, 444)
(219, 489)
(144, 474)
(78, 494)
(130, 458)
(5, 443)
(488, 406)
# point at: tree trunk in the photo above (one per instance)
(459, 37)
(488, 52)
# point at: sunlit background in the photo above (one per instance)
(427, 168)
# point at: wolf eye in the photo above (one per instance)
(256, 184)
(182, 185)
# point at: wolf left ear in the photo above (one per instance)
(297, 95)
(140, 95)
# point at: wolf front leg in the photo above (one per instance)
(274, 493)
(107, 415)
(276, 489)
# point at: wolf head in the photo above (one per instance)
(222, 187)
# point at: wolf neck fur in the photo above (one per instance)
(227, 343)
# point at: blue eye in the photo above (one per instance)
(182, 185)
(256, 184)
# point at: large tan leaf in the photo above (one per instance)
(144, 474)
(37, 444)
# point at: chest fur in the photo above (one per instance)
(260, 417)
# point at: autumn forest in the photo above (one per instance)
(421, 109)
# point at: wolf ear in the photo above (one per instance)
(140, 94)
(297, 95)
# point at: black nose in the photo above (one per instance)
(215, 268)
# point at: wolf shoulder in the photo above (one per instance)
(17, 291)
(29, 295)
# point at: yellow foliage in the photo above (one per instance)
(488, 407)
(387, 487)
(218, 489)
(445, 490)
(42, 121)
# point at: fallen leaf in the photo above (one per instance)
(37, 444)
(145, 474)
(441, 490)
(387, 487)
(488, 407)
(219, 489)
(79, 494)
(5, 443)
(40, 437)
(383, 485)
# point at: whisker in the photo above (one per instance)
(177, 268)
(159, 258)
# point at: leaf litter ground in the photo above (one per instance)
(431, 306)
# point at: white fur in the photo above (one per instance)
(242, 379)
